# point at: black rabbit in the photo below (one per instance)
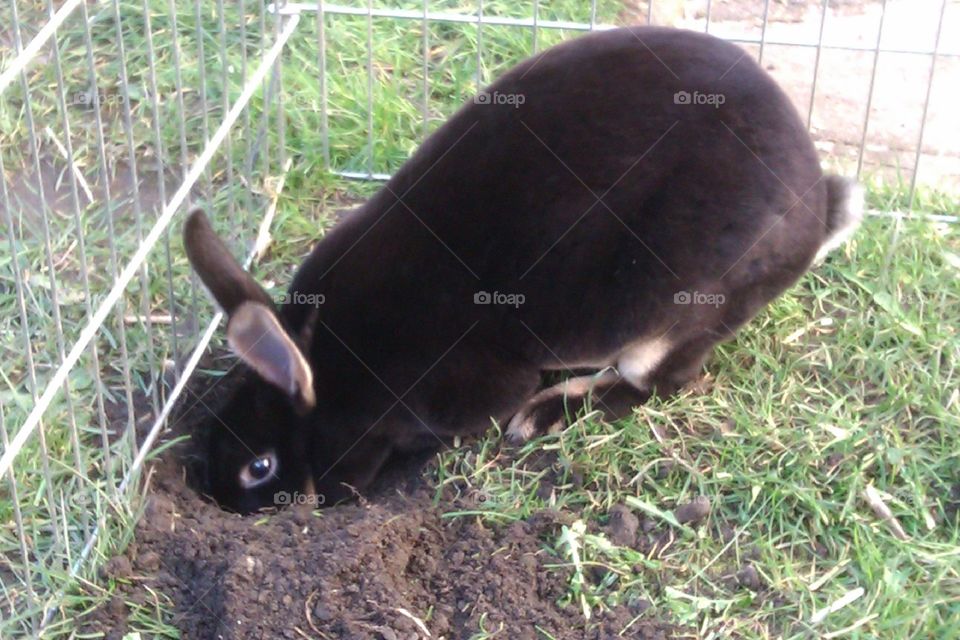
(619, 204)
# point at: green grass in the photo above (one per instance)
(800, 414)
(850, 379)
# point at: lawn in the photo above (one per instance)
(848, 382)
(841, 395)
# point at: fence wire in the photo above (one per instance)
(116, 116)
(108, 134)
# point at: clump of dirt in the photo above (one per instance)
(389, 566)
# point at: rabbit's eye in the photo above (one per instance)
(259, 470)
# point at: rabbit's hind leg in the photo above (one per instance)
(646, 367)
(546, 412)
(614, 392)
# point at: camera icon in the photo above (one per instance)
(682, 297)
(281, 498)
(482, 297)
(482, 97)
(81, 500)
(681, 97)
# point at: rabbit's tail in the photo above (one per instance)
(844, 212)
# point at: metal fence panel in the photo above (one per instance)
(115, 117)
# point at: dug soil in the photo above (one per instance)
(389, 566)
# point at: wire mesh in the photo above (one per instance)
(115, 117)
(832, 50)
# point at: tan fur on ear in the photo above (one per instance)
(256, 336)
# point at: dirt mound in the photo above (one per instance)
(390, 566)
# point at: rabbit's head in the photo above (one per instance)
(253, 445)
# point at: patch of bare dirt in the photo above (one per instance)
(388, 566)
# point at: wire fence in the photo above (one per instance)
(117, 116)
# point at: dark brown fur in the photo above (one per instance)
(727, 200)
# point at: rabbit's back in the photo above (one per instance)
(587, 185)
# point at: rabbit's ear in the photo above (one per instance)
(228, 283)
(255, 335)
